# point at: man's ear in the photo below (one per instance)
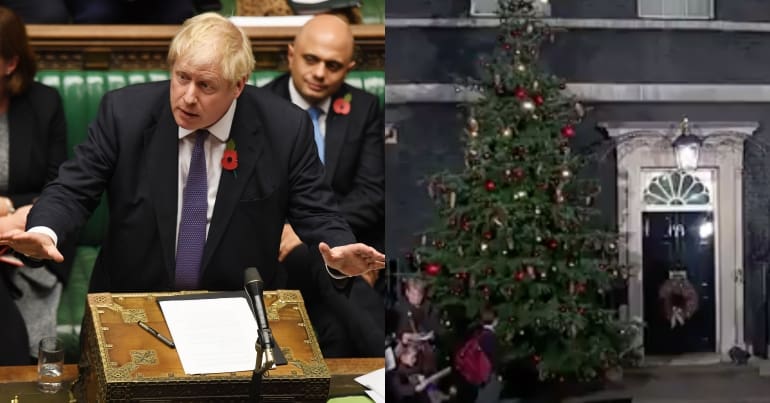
(351, 65)
(239, 86)
(290, 54)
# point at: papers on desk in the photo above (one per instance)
(375, 381)
(212, 335)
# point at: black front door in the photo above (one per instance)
(682, 244)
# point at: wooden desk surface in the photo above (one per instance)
(343, 372)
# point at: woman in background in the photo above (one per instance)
(33, 143)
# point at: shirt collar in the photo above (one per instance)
(297, 99)
(220, 129)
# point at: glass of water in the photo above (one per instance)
(50, 365)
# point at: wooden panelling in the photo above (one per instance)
(132, 47)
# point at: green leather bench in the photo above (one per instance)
(81, 92)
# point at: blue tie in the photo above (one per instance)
(315, 113)
(192, 226)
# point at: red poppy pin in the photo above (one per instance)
(342, 105)
(230, 157)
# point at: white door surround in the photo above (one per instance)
(644, 146)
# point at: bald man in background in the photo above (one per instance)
(348, 129)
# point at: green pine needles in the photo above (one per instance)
(513, 232)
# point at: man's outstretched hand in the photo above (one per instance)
(352, 259)
(32, 244)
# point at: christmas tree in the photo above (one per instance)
(513, 232)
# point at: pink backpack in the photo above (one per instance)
(472, 362)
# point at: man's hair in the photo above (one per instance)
(488, 315)
(210, 38)
(415, 283)
(14, 43)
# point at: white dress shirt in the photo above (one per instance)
(296, 99)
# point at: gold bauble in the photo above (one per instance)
(579, 109)
(473, 125)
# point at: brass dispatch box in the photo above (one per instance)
(122, 363)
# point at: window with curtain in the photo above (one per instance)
(686, 9)
(488, 8)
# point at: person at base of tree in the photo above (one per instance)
(408, 381)
(401, 381)
(417, 319)
(418, 322)
(489, 392)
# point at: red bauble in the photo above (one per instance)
(490, 185)
(520, 276)
(432, 269)
(518, 173)
(553, 244)
(536, 358)
(568, 131)
(520, 93)
(538, 99)
(488, 235)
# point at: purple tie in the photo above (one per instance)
(192, 226)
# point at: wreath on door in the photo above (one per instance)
(680, 301)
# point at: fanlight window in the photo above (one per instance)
(676, 189)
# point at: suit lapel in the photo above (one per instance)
(281, 87)
(336, 131)
(246, 133)
(162, 145)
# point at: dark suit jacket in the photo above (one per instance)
(354, 160)
(132, 152)
(38, 145)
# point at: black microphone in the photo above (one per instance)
(254, 286)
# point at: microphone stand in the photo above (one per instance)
(265, 361)
(264, 345)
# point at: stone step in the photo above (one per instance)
(686, 384)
